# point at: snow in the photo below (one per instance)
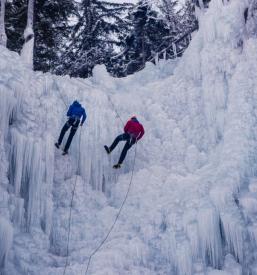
(192, 206)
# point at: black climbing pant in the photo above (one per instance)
(129, 142)
(73, 123)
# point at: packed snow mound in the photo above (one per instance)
(193, 204)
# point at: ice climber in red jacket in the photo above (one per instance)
(133, 131)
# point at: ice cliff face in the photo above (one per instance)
(193, 204)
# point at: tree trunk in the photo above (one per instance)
(3, 37)
(28, 47)
(201, 4)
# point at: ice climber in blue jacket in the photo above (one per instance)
(75, 112)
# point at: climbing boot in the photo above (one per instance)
(57, 145)
(65, 153)
(117, 166)
(107, 149)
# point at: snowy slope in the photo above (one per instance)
(193, 203)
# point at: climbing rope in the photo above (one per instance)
(65, 104)
(115, 110)
(75, 183)
(72, 198)
(74, 189)
(117, 216)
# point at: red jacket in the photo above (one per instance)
(134, 128)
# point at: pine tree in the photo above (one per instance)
(189, 20)
(51, 27)
(51, 31)
(104, 33)
(149, 30)
(171, 15)
(93, 37)
(188, 24)
(16, 20)
(163, 34)
(144, 41)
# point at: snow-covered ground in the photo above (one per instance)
(193, 203)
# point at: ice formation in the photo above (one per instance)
(6, 233)
(192, 208)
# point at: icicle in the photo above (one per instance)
(156, 59)
(6, 235)
(46, 195)
(184, 259)
(165, 55)
(7, 104)
(210, 236)
(234, 235)
(18, 213)
(16, 160)
(192, 233)
(35, 184)
(26, 175)
(174, 48)
(253, 234)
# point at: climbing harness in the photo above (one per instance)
(72, 198)
(117, 216)
(74, 122)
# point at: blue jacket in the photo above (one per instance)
(76, 110)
